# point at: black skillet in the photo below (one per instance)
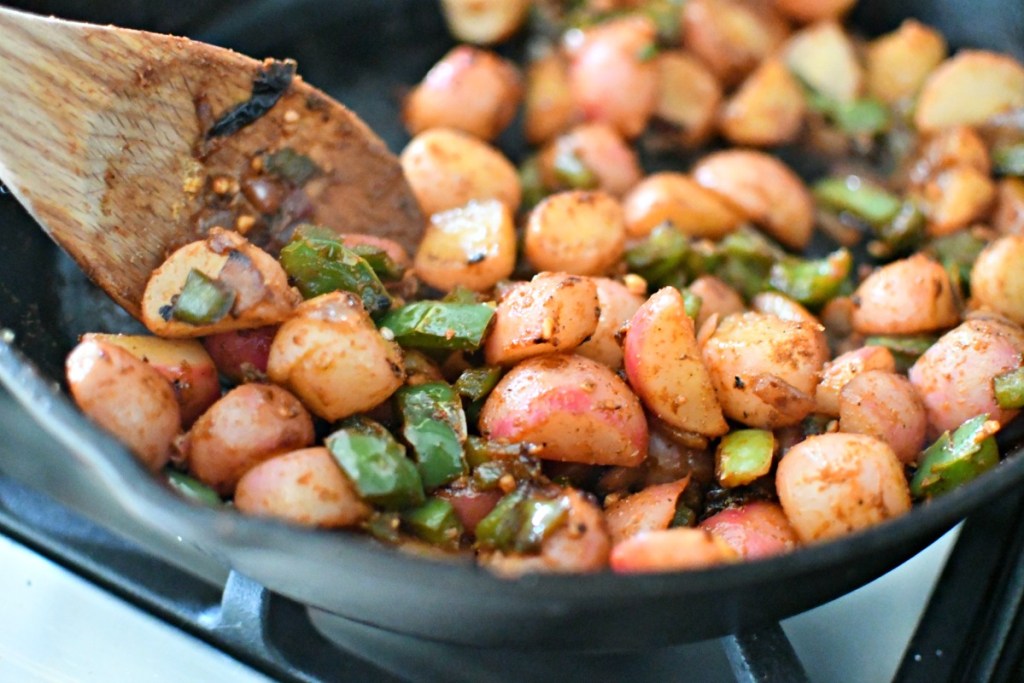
(364, 52)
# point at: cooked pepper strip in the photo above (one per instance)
(747, 260)
(865, 116)
(521, 521)
(659, 257)
(902, 233)
(857, 196)
(434, 522)
(376, 464)
(811, 282)
(381, 262)
(318, 263)
(957, 459)
(434, 426)
(476, 383)
(743, 456)
(1009, 388)
(692, 303)
(202, 301)
(439, 325)
(192, 489)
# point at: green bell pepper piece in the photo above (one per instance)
(521, 521)
(434, 522)
(202, 301)
(192, 489)
(743, 456)
(957, 459)
(376, 464)
(298, 169)
(435, 427)
(854, 195)
(476, 383)
(660, 256)
(1009, 388)
(439, 325)
(380, 261)
(811, 282)
(1009, 159)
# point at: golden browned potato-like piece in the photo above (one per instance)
(969, 88)
(484, 21)
(577, 232)
(473, 246)
(591, 156)
(618, 304)
(1008, 216)
(956, 198)
(688, 96)
(447, 169)
(768, 109)
(765, 189)
(949, 148)
(470, 89)
(331, 355)
(549, 107)
(997, 278)
(813, 10)
(262, 295)
(730, 36)
(679, 199)
(909, 296)
(822, 56)
(898, 63)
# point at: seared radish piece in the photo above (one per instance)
(552, 313)
(590, 156)
(764, 369)
(908, 296)
(954, 377)
(328, 348)
(764, 189)
(617, 304)
(549, 107)
(755, 530)
(688, 97)
(215, 285)
(1008, 215)
(948, 149)
(484, 21)
(670, 550)
(823, 57)
(813, 10)
(447, 169)
(969, 88)
(127, 397)
(768, 109)
(302, 487)
(680, 200)
(885, 405)
(832, 485)
(571, 408)
(183, 362)
(717, 298)
(841, 369)
(899, 63)
(664, 366)
(997, 278)
(957, 198)
(650, 509)
(250, 424)
(781, 306)
(470, 89)
(577, 232)
(612, 75)
(241, 355)
(730, 36)
(473, 246)
(582, 544)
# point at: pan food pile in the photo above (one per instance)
(588, 365)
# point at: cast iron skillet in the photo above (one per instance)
(364, 52)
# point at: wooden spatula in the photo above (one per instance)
(124, 145)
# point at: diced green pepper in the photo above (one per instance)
(684, 516)
(859, 197)
(743, 456)
(531, 182)
(692, 303)
(202, 301)
(1009, 388)
(1009, 159)
(384, 526)
(957, 252)
(476, 383)
(811, 282)
(906, 349)
(901, 234)
(865, 116)
(747, 259)
(434, 426)
(570, 171)
(499, 527)
(461, 295)
(381, 262)
(666, 17)
(521, 521)
(480, 450)
(376, 464)
(439, 325)
(298, 169)
(434, 522)
(192, 489)
(661, 255)
(318, 263)
(957, 459)
(540, 518)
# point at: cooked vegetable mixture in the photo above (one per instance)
(590, 364)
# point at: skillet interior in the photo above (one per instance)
(363, 52)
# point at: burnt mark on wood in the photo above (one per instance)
(269, 84)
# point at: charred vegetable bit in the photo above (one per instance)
(376, 464)
(434, 522)
(297, 169)
(202, 301)
(1009, 388)
(435, 428)
(269, 84)
(521, 521)
(811, 282)
(318, 263)
(903, 233)
(957, 459)
(192, 489)
(439, 325)
(858, 197)
(1009, 159)
(743, 456)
